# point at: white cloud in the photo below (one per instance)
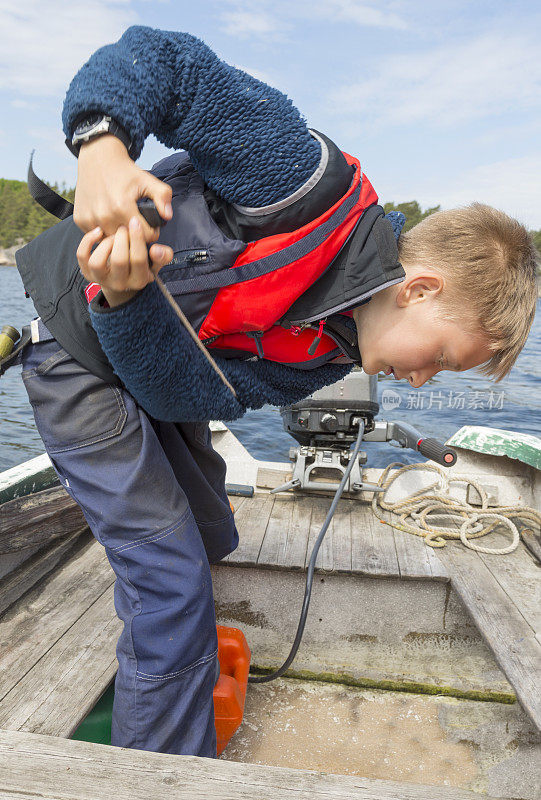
(21, 104)
(272, 19)
(247, 22)
(447, 85)
(512, 185)
(361, 13)
(45, 43)
(47, 140)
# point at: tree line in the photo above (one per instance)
(22, 219)
(414, 214)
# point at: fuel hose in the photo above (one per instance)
(311, 567)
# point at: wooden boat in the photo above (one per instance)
(418, 675)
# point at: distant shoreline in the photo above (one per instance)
(7, 255)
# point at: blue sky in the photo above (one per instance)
(441, 101)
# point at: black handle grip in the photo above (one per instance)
(148, 210)
(438, 452)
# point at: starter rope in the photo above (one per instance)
(413, 513)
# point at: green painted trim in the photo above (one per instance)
(30, 484)
(391, 686)
(497, 442)
(27, 478)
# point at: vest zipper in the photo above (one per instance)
(198, 256)
(189, 257)
(256, 336)
(315, 342)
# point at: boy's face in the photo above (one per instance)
(399, 330)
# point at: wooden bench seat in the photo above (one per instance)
(40, 766)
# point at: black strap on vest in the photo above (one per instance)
(59, 207)
(47, 197)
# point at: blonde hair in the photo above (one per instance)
(490, 262)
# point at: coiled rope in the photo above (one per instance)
(414, 512)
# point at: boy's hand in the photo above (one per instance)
(109, 184)
(120, 263)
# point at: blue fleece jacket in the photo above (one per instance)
(245, 138)
(170, 378)
(251, 145)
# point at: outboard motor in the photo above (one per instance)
(327, 423)
(331, 415)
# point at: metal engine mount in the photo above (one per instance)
(327, 423)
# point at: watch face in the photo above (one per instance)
(87, 124)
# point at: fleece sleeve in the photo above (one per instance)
(245, 138)
(172, 380)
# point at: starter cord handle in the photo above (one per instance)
(311, 566)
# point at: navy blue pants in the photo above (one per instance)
(153, 494)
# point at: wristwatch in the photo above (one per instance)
(93, 125)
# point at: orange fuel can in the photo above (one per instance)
(230, 690)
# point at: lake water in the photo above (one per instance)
(442, 406)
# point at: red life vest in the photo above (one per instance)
(268, 276)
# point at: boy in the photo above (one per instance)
(126, 431)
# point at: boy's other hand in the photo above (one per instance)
(109, 184)
(120, 263)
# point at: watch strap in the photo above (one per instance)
(112, 127)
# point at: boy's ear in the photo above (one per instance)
(418, 288)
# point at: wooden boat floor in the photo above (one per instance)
(279, 531)
(58, 640)
(501, 592)
(57, 651)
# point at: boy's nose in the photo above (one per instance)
(420, 377)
